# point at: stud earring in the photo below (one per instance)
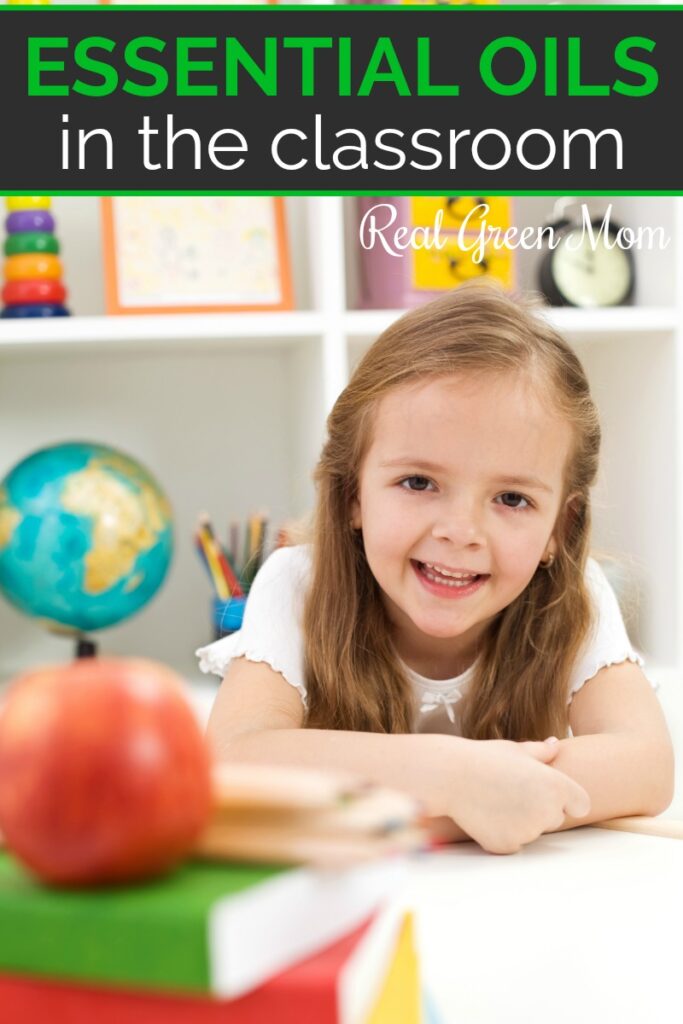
(548, 562)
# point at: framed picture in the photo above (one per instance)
(195, 254)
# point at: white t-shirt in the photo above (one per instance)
(271, 632)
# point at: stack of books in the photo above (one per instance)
(209, 944)
(287, 912)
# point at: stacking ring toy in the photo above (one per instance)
(29, 220)
(18, 293)
(16, 203)
(32, 265)
(30, 241)
(33, 311)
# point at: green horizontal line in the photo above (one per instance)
(366, 192)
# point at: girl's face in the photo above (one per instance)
(464, 474)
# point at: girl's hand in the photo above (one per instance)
(508, 794)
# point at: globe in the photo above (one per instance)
(86, 536)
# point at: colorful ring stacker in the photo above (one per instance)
(32, 265)
(15, 203)
(29, 220)
(31, 241)
(33, 310)
(21, 293)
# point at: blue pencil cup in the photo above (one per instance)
(228, 615)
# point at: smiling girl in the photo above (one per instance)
(446, 624)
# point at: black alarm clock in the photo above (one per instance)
(585, 267)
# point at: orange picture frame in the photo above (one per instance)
(269, 247)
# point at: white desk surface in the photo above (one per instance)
(582, 927)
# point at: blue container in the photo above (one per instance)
(228, 615)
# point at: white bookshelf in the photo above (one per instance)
(281, 330)
(95, 333)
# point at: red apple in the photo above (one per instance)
(104, 773)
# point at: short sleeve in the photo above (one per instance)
(608, 642)
(271, 629)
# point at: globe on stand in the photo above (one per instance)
(86, 538)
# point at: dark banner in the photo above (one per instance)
(377, 99)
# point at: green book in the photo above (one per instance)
(213, 928)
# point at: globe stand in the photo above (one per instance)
(86, 648)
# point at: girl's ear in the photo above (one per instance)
(571, 502)
(355, 518)
(563, 523)
(571, 510)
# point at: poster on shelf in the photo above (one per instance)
(451, 241)
(191, 254)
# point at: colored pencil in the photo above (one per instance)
(217, 576)
(231, 581)
(256, 533)
(234, 540)
(258, 536)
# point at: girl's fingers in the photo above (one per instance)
(578, 803)
(541, 750)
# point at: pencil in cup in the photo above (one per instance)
(255, 543)
(231, 586)
(228, 615)
(229, 599)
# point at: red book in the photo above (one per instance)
(365, 978)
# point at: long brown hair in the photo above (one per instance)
(520, 687)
